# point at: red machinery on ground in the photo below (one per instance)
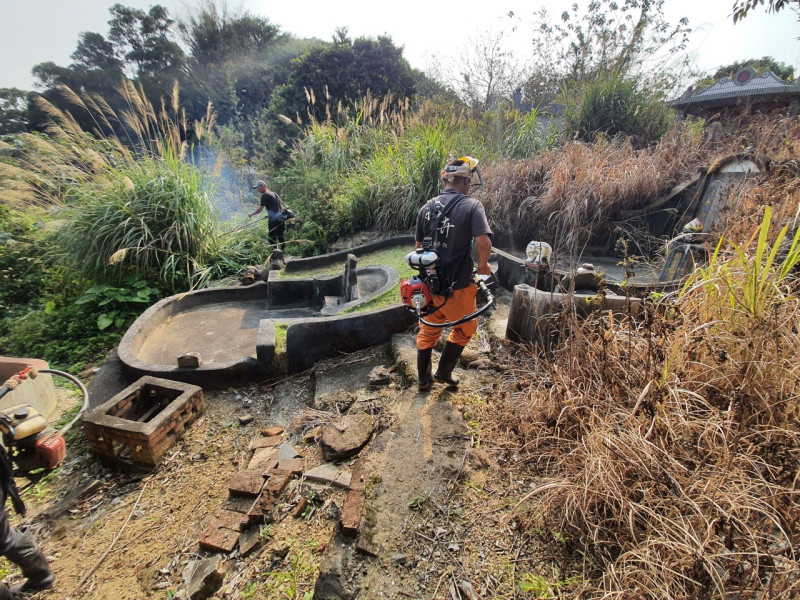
(29, 440)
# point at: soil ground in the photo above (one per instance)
(435, 502)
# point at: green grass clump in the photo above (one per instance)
(153, 218)
(614, 107)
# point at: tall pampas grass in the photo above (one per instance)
(130, 199)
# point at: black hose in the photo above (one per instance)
(489, 303)
(84, 403)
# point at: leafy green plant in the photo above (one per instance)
(299, 573)
(65, 335)
(22, 271)
(749, 282)
(528, 135)
(418, 502)
(249, 590)
(542, 587)
(41, 490)
(115, 301)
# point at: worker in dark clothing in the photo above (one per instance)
(19, 548)
(457, 227)
(277, 221)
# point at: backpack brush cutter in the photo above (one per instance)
(28, 439)
(417, 291)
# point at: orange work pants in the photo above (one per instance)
(459, 304)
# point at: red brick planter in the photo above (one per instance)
(138, 425)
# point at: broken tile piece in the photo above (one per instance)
(239, 504)
(262, 456)
(287, 451)
(346, 435)
(247, 482)
(277, 482)
(352, 512)
(249, 540)
(292, 465)
(266, 467)
(298, 510)
(218, 538)
(330, 474)
(266, 442)
(203, 577)
(364, 546)
(259, 512)
(229, 519)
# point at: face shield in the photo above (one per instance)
(468, 168)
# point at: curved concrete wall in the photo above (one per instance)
(332, 258)
(386, 277)
(308, 340)
(214, 375)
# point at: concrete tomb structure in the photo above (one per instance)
(218, 336)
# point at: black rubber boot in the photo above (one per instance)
(33, 564)
(444, 372)
(424, 368)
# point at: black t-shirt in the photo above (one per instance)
(464, 222)
(271, 201)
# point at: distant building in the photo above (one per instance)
(746, 91)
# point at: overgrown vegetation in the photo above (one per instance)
(661, 442)
(133, 218)
(613, 107)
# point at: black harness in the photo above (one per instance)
(439, 280)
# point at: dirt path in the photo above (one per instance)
(135, 536)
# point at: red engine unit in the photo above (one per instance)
(413, 288)
(45, 450)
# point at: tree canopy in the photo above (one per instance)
(741, 8)
(343, 72)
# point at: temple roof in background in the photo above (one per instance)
(746, 85)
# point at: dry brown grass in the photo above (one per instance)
(568, 194)
(577, 192)
(665, 449)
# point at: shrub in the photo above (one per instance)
(528, 135)
(152, 218)
(58, 330)
(614, 107)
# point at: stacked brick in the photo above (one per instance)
(254, 494)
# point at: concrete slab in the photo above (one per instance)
(330, 474)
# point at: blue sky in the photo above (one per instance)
(34, 31)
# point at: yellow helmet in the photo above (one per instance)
(464, 166)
